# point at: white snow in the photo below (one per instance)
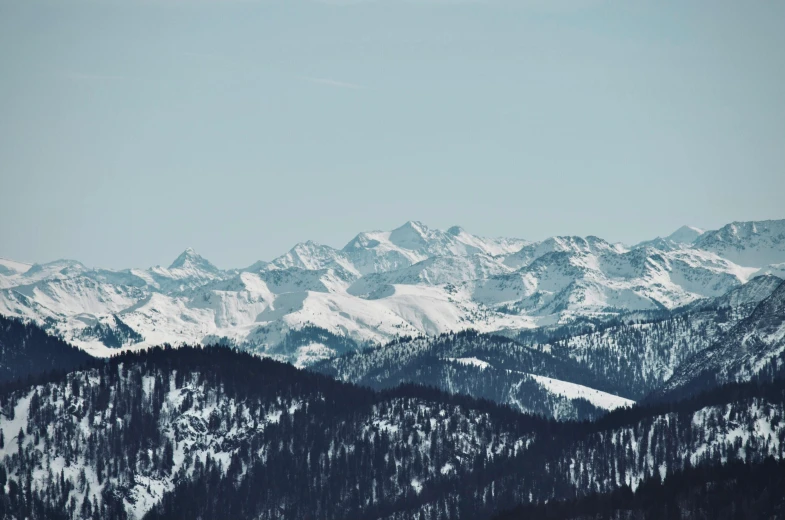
(686, 234)
(573, 391)
(309, 354)
(471, 361)
(12, 267)
(384, 284)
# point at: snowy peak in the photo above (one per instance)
(413, 279)
(562, 244)
(412, 235)
(10, 267)
(364, 240)
(256, 266)
(382, 251)
(685, 235)
(589, 245)
(311, 255)
(190, 259)
(58, 268)
(750, 244)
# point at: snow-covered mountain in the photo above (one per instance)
(685, 234)
(384, 284)
(10, 267)
(751, 244)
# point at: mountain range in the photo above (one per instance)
(438, 375)
(317, 301)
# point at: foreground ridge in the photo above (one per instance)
(206, 432)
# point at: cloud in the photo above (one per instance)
(334, 83)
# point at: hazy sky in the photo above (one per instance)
(132, 129)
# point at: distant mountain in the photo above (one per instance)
(383, 251)
(414, 242)
(588, 246)
(437, 270)
(385, 284)
(190, 260)
(10, 268)
(679, 239)
(749, 244)
(685, 235)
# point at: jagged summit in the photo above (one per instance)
(409, 280)
(682, 237)
(685, 234)
(61, 265)
(190, 259)
(415, 225)
(412, 235)
(750, 244)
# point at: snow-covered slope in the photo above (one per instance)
(439, 270)
(752, 244)
(383, 251)
(599, 399)
(590, 245)
(575, 282)
(10, 267)
(682, 237)
(383, 284)
(414, 242)
(685, 234)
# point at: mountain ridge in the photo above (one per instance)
(382, 284)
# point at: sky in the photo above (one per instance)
(130, 130)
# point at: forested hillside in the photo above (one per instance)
(26, 350)
(487, 366)
(159, 428)
(709, 492)
(213, 433)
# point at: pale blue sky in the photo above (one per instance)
(132, 129)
